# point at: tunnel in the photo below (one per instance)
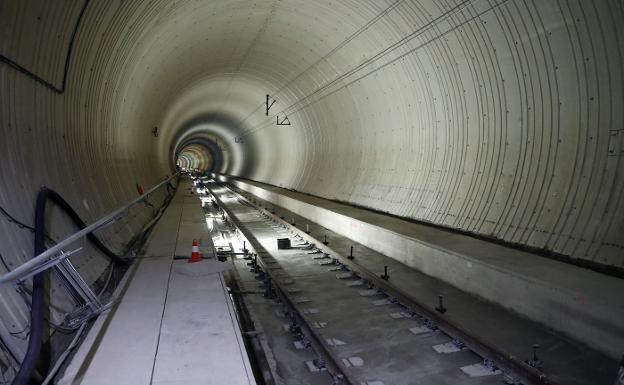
(460, 162)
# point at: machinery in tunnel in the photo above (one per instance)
(448, 175)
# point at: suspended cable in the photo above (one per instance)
(330, 53)
(384, 52)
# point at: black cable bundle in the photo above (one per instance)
(37, 316)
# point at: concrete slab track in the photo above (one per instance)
(583, 304)
(389, 349)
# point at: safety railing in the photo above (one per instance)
(57, 254)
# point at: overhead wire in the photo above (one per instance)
(328, 54)
(399, 43)
(382, 53)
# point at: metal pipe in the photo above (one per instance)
(27, 267)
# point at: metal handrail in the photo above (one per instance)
(50, 258)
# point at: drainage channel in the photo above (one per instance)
(364, 330)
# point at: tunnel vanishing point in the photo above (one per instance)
(376, 192)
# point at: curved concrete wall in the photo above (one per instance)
(502, 118)
(498, 118)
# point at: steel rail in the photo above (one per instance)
(333, 363)
(507, 362)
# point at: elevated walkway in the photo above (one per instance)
(173, 322)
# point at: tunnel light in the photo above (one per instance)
(210, 223)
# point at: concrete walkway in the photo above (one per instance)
(173, 322)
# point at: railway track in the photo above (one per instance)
(364, 330)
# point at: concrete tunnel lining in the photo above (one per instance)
(504, 174)
(501, 118)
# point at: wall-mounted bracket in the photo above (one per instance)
(268, 104)
(282, 122)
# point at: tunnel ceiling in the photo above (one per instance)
(502, 118)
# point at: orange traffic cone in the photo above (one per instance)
(195, 256)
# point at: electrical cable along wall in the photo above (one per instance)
(195, 156)
(93, 262)
(47, 137)
(32, 359)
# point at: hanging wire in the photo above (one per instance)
(11, 219)
(15, 221)
(328, 54)
(7, 370)
(292, 108)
